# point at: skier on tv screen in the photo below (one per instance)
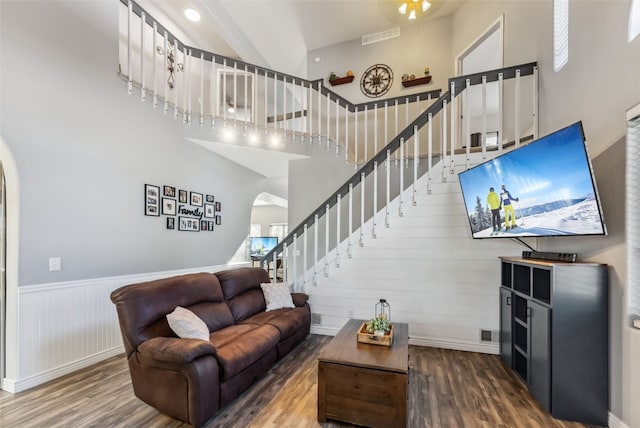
(509, 212)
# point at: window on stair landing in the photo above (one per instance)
(634, 19)
(255, 230)
(560, 33)
(278, 229)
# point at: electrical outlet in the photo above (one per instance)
(55, 264)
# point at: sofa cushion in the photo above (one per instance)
(187, 325)
(245, 349)
(142, 308)
(276, 295)
(237, 281)
(241, 290)
(287, 321)
(216, 315)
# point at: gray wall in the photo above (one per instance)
(419, 46)
(597, 86)
(84, 151)
(267, 214)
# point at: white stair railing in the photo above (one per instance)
(370, 195)
(250, 103)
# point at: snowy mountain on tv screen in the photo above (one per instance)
(582, 217)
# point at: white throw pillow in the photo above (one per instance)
(187, 325)
(277, 295)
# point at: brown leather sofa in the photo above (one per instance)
(191, 379)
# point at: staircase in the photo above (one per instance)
(397, 228)
(436, 278)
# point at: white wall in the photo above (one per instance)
(83, 151)
(267, 214)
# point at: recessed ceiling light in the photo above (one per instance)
(192, 14)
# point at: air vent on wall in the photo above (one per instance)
(489, 336)
(316, 319)
(368, 39)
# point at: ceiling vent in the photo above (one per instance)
(378, 37)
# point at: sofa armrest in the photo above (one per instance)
(299, 299)
(173, 350)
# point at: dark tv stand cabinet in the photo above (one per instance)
(554, 334)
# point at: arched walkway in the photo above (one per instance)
(10, 339)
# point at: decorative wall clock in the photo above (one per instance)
(376, 80)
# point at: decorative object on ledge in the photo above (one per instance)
(335, 80)
(376, 80)
(408, 81)
(172, 66)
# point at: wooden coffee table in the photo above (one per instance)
(364, 384)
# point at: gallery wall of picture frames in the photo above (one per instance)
(185, 210)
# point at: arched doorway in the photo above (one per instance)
(9, 225)
(269, 216)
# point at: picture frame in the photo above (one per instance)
(151, 200)
(183, 196)
(210, 224)
(168, 206)
(204, 225)
(209, 211)
(189, 224)
(218, 206)
(218, 220)
(171, 223)
(169, 191)
(196, 199)
(209, 198)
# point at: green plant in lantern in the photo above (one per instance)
(380, 323)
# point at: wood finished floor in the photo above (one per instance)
(448, 389)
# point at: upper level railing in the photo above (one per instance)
(259, 103)
(512, 117)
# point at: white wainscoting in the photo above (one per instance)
(438, 279)
(65, 326)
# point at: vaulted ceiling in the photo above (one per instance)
(278, 33)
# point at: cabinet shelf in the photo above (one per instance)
(520, 351)
(545, 304)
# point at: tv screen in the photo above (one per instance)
(545, 188)
(261, 245)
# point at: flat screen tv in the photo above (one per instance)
(261, 245)
(545, 188)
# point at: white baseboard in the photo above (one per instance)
(324, 331)
(456, 345)
(489, 348)
(18, 385)
(615, 422)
